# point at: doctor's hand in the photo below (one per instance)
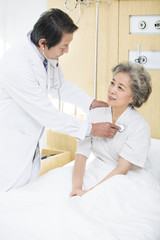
(104, 129)
(97, 103)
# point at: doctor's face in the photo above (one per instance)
(61, 48)
(119, 92)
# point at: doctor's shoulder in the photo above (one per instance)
(100, 114)
(13, 56)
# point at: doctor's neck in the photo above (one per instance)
(40, 51)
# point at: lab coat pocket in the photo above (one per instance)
(16, 152)
(16, 148)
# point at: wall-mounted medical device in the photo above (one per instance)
(85, 2)
(145, 24)
(149, 59)
(72, 5)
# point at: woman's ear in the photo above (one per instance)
(132, 100)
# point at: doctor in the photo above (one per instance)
(25, 109)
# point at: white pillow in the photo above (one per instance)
(154, 158)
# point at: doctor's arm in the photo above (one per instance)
(26, 92)
(73, 94)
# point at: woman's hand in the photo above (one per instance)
(78, 192)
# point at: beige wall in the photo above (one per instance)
(151, 110)
(114, 41)
(78, 64)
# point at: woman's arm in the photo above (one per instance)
(122, 167)
(78, 173)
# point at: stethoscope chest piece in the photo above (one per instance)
(121, 126)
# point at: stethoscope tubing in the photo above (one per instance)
(59, 77)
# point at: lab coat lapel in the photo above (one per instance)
(41, 75)
(37, 66)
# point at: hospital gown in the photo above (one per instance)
(125, 207)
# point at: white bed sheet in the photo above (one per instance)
(154, 158)
(118, 209)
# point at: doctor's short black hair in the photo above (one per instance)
(51, 25)
(140, 81)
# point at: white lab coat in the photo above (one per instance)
(25, 109)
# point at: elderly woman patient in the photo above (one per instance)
(112, 197)
(129, 87)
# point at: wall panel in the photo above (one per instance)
(127, 41)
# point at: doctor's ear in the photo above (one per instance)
(42, 43)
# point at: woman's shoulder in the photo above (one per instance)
(101, 114)
(136, 119)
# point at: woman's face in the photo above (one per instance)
(119, 92)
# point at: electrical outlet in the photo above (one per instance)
(149, 59)
(145, 24)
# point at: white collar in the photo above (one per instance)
(34, 46)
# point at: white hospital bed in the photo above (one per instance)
(31, 213)
(154, 157)
(67, 145)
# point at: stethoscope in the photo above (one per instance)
(122, 128)
(53, 65)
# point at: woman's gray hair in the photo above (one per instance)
(140, 81)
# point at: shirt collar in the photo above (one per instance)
(34, 46)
